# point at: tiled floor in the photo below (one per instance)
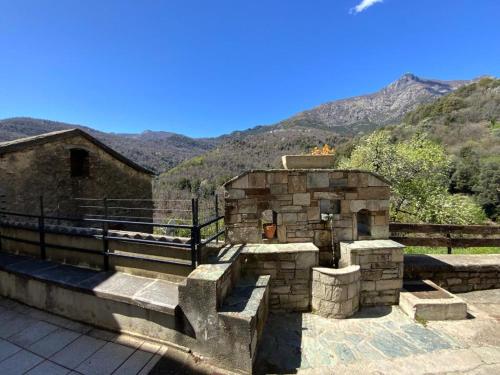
(35, 342)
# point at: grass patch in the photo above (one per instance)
(457, 250)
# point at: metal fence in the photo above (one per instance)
(101, 224)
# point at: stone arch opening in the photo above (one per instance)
(269, 221)
(364, 221)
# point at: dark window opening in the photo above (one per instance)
(79, 163)
(364, 223)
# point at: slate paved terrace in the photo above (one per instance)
(383, 340)
(38, 343)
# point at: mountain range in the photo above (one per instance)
(334, 122)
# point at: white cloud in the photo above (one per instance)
(364, 4)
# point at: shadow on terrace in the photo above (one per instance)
(119, 280)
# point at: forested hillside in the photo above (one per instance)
(467, 123)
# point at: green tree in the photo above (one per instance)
(418, 170)
(487, 188)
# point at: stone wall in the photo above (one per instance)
(298, 197)
(456, 273)
(335, 292)
(289, 266)
(45, 169)
(381, 263)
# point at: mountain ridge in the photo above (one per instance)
(163, 150)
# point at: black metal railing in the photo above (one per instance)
(100, 229)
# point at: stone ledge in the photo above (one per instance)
(152, 294)
(431, 303)
(279, 248)
(371, 245)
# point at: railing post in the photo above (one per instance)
(194, 232)
(105, 243)
(217, 215)
(41, 230)
(448, 235)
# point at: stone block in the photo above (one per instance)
(240, 183)
(235, 193)
(338, 182)
(291, 208)
(322, 238)
(284, 289)
(388, 284)
(343, 234)
(357, 179)
(357, 205)
(257, 180)
(375, 181)
(326, 195)
(317, 180)
(278, 189)
(297, 184)
(282, 233)
(289, 218)
(302, 217)
(337, 174)
(277, 178)
(379, 193)
(302, 199)
(247, 206)
(313, 214)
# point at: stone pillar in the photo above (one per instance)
(335, 292)
(382, 266)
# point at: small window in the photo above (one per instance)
(79, 163)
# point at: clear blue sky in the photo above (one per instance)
(205, 68)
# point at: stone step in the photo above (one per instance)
(152, 266)
(245, 311)
(116, 301)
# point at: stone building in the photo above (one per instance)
(64, 165)
(307, 205)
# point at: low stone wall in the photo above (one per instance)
(87, 238)
(381, 263)
(335, 292)
(289, 266)
(456, 273)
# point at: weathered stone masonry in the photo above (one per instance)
(36, 166)
(356, 200)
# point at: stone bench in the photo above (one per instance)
(335, 292)
(110, 300)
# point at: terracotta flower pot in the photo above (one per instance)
(269, 230)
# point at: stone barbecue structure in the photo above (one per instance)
(306, 204)
(64, 165)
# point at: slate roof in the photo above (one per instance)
(28, 142)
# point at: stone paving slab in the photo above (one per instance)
(384, 340)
